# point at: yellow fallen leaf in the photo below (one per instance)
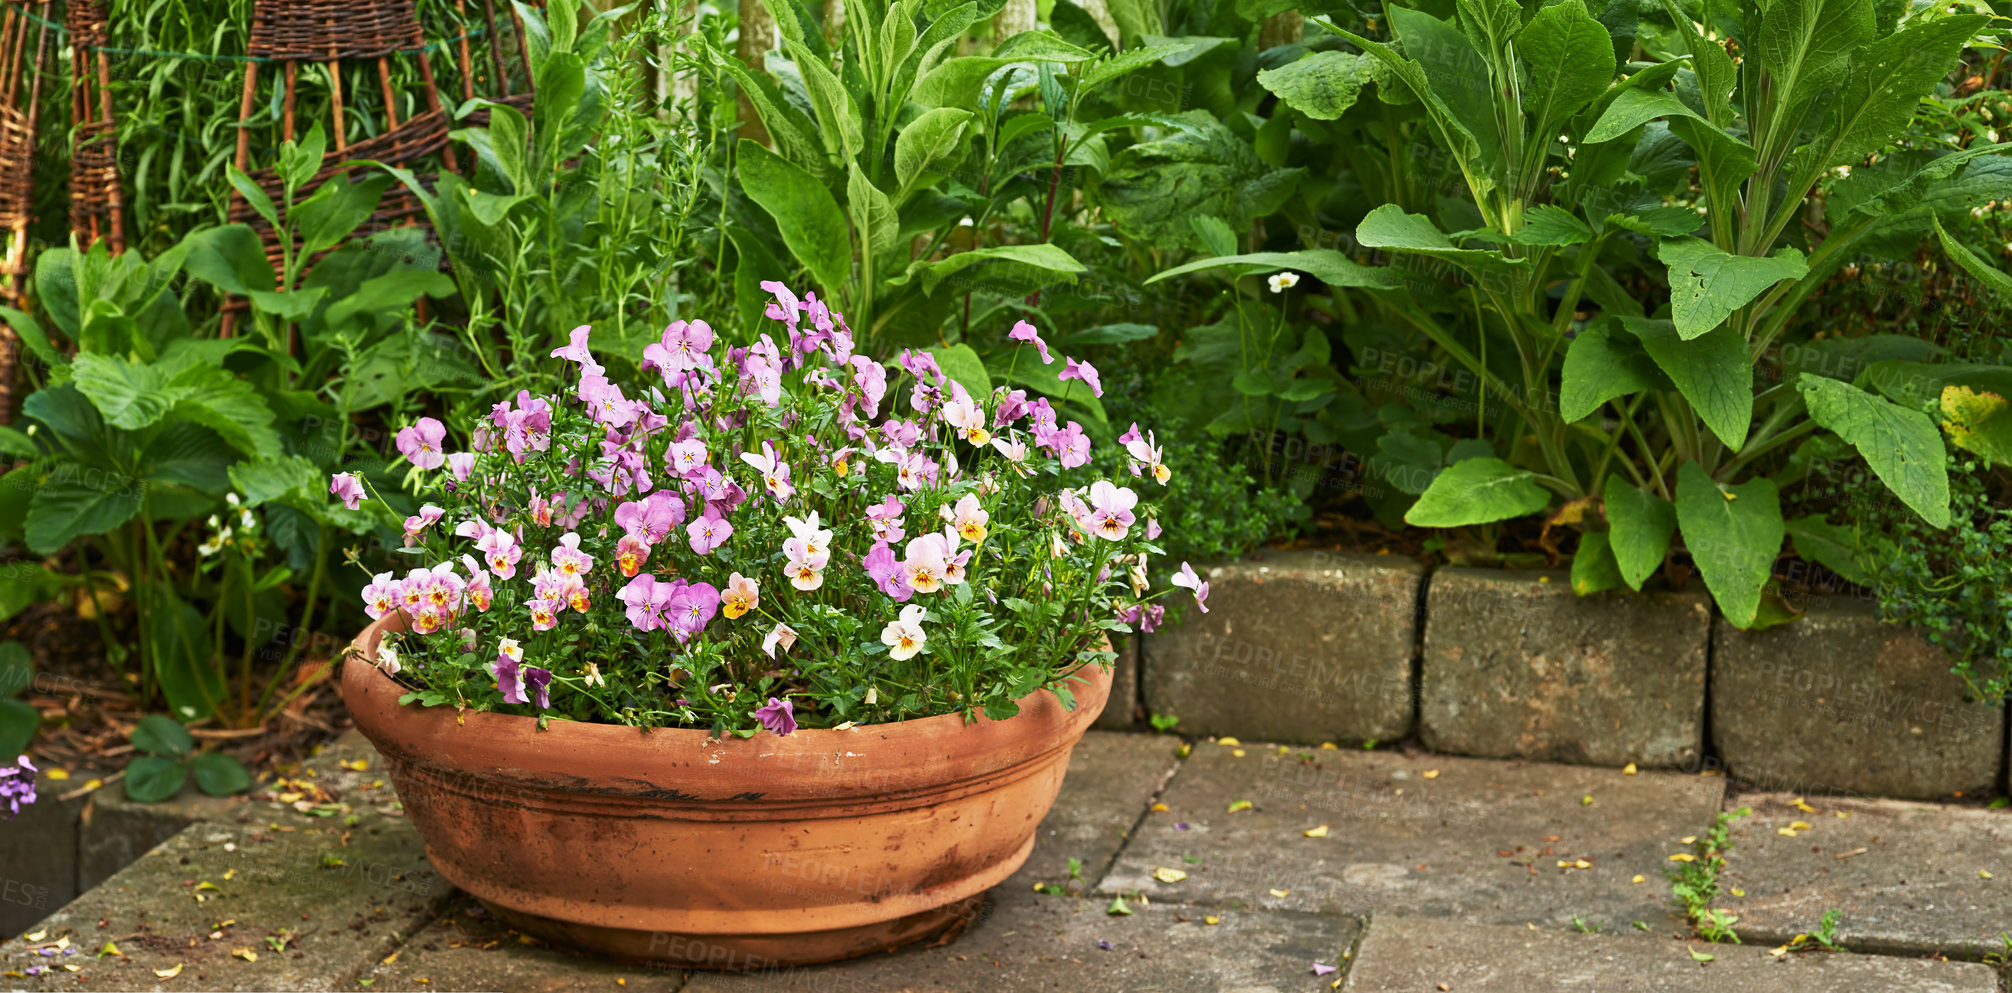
(1638, 878)
(39, 935)
(1239, 805)
(1689, 839)
(1628, 770)
(1564, 864)
(1683, 857)
(1586, 801)
(388, 959)
(1281, 894)
(1736, 891)
(1799, 825)
(92, 784)
(68, 967)
(1212, 920)
(249, 955)
(1778, 952)
(355, 765)
(1430, 774)
(1329, 746)
(1316, 832)
(1786, 832)
(1237, 752)
(168, 973)
(1166, 875)
(228, 873)
(1985, 874)
(1842, 814)
(1729, 495)
(57, 773)
(1283, 750)
(1804, 807)
(1582, 864)
(1160, 808)
(1228, 741)
(111, 948)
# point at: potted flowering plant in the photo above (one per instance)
(750, 662)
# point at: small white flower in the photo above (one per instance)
(231, 498)
(1283, 281)
(904, 636)
(509, 647)
(387, 659)
(782, 635)
(872, 695)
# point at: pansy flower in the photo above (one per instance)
(741, 595)
(904, 636)
(420, 443)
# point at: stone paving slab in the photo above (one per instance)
(1340, 672)
(1481, 841)
(1112, 779)
(1402, 955)
(339, 893)
(467, 950)
(1904, 876)
(1052, 945)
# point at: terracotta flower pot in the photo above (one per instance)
(671, 847)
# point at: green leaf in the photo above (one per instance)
(1708, 283)
(220, 775)
(230, 258)
(927, 148)
(1153, 187)
(1458, 82)
(792, 130)
(283, 477)
(154, 780)
(1713, 372)
(872, 213)
(232, 407)
(1550, 224)
(187, 454)
(961, 363)
(17, 669)
(1669, 222)
(1004, 269)
(335, 210)
(1325, 84)
(1993, 278)
(1902, 446)
(1833, 546)
(79, 501)
(1978, 422)
(1325, 264)
(1477, 491)
(253, 194)
(837, 116)
(811, 224)
(1733, 534)
(163, 736)
(1569, 62)
(1640, 524)
(130, 395)
(37, 340)
(1600, 366)
(1390, 227)
(1888, 80)
(1593, 566)
(182, 656)
(1214, 233)
(18, 723)
(1806, 46)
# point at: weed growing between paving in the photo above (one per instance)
(1695, 882)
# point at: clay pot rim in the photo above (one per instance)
(511, 749)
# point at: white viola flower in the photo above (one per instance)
(509, 647)
(781, 636)
(816, 541)
(904, 636)
(387, 660)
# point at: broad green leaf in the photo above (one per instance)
(183, 656)
(163, 736)
(17, 671)
(220, 775)
(1978, 422)
(1633, 108)
(1902, 446)
(1325, 264)
(1153, 187)
(1917, 383)
(230, 406)
(1724, 163)
(1593, 566)
(1639, 524)
(1390, 227)
(79, 501)
(837, 117)
(1135, 18)
(335, 210)
(1569, 61)
(961, 363)
(928, 147)
(37, 340)
(18, 723)
(1325, 84)
(1215, 235)
(1004, 269)
(872, 214)
(261, 204)
(1806, 45)
(1457, 77)
(1833, 546)
(1713, 372)
(1477, 491)
(1600, 366)
(1888, 79)
(188, 454)
(130, 395)
(1993, 278)
(154, 780)
(812, 225)
(230, 258)
(278, 478)
(1550, 224)
(794, 133)
(1733, 534)
(1708, 283)
(1669, 222)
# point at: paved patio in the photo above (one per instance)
(1244, 868)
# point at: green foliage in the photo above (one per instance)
(1947, 583)
(18, 719)
(1695, 883)
(167, 756)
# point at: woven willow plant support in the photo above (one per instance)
(97, 210)
(21, 77)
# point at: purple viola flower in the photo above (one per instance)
(690, 609)
(1072, 369)
(540, 682)
(1024, 331)
(1012, 404)
(1187, 579)
(461, 464)
(885, 570)
(420, 443)
(1105, 944)
(1070, 445)
(575, 350)
(779, 716)
(645, 599)
(347, 487)
(709, 532)
(17, 785)
(508, 679)
(922, 366)
(785, 308)
(653, 519)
